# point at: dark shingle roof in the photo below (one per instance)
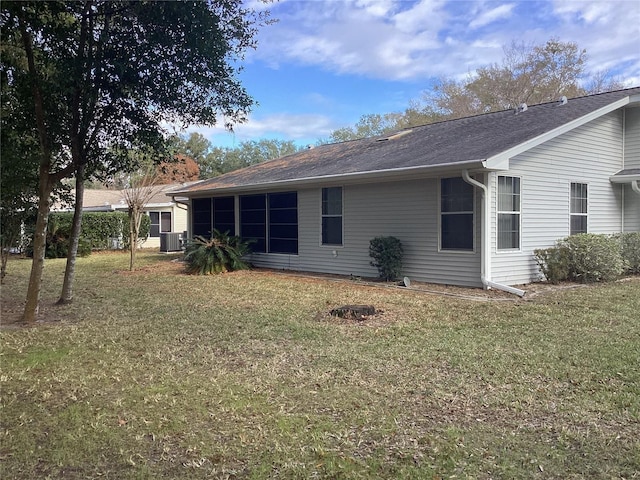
(450, 142)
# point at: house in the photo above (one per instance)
(167, 214)
(470, 199)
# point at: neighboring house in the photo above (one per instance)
(166, 214)
(470, 199)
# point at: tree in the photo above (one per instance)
(87, 73)
(143, 187)
(374, 124)
(528, 74)
(182, 169)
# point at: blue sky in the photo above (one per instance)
(325, 63)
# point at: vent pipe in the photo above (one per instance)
(563, 100)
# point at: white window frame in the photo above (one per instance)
(160, 231)
(578, 214)
(517, 213)
(323, 216)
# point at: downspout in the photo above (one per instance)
(186, 208)
(485, 233)
(635, 186)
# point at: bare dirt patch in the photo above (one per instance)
(11, 315)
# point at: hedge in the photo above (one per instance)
(98, 230)
(588, 257)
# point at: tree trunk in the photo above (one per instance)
(70, 270)
(9, 239)
(39, 247)
(133, 236)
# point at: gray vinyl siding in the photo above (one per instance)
(407, 210)
(631, 210)
(632, 160)
(589, 154)
(632, 138)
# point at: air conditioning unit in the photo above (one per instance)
(170, 242)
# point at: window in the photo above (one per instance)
(456, 214)
(578, 208)
(508, 213)
(270, 221)
(160, 223)
(332, 216)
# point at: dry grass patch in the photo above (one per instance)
(156, 374)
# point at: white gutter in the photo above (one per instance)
(485, 252)
(635, 187)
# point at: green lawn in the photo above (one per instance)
(157, 374)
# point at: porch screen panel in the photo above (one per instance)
(283, 222)
(253, 221)
(224, 215)
(201, 217)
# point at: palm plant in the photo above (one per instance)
(221, 253)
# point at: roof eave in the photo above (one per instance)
(393, 174)
(501, 160)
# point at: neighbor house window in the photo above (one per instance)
(456, 214)
(508, 213)
(578, 208)
(270, 222)
(332, 216)
(160, 223)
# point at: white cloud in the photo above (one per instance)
(490, 16)
(395, 39)
(283, 126)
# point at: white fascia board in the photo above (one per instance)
(158, 205)
(392, 174)
(501, 160)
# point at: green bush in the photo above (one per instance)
(585, 257)
(630, 248)
(58, 233)
(593, 258)
(553, 263)
(98, 228)
(221, 253)
(387, 256)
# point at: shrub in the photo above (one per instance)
(593, 258)
(630, 249)
(58, 233)
(387, 256)
(553, 263)
(98, 228)
(221, 253)
(584, 257)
